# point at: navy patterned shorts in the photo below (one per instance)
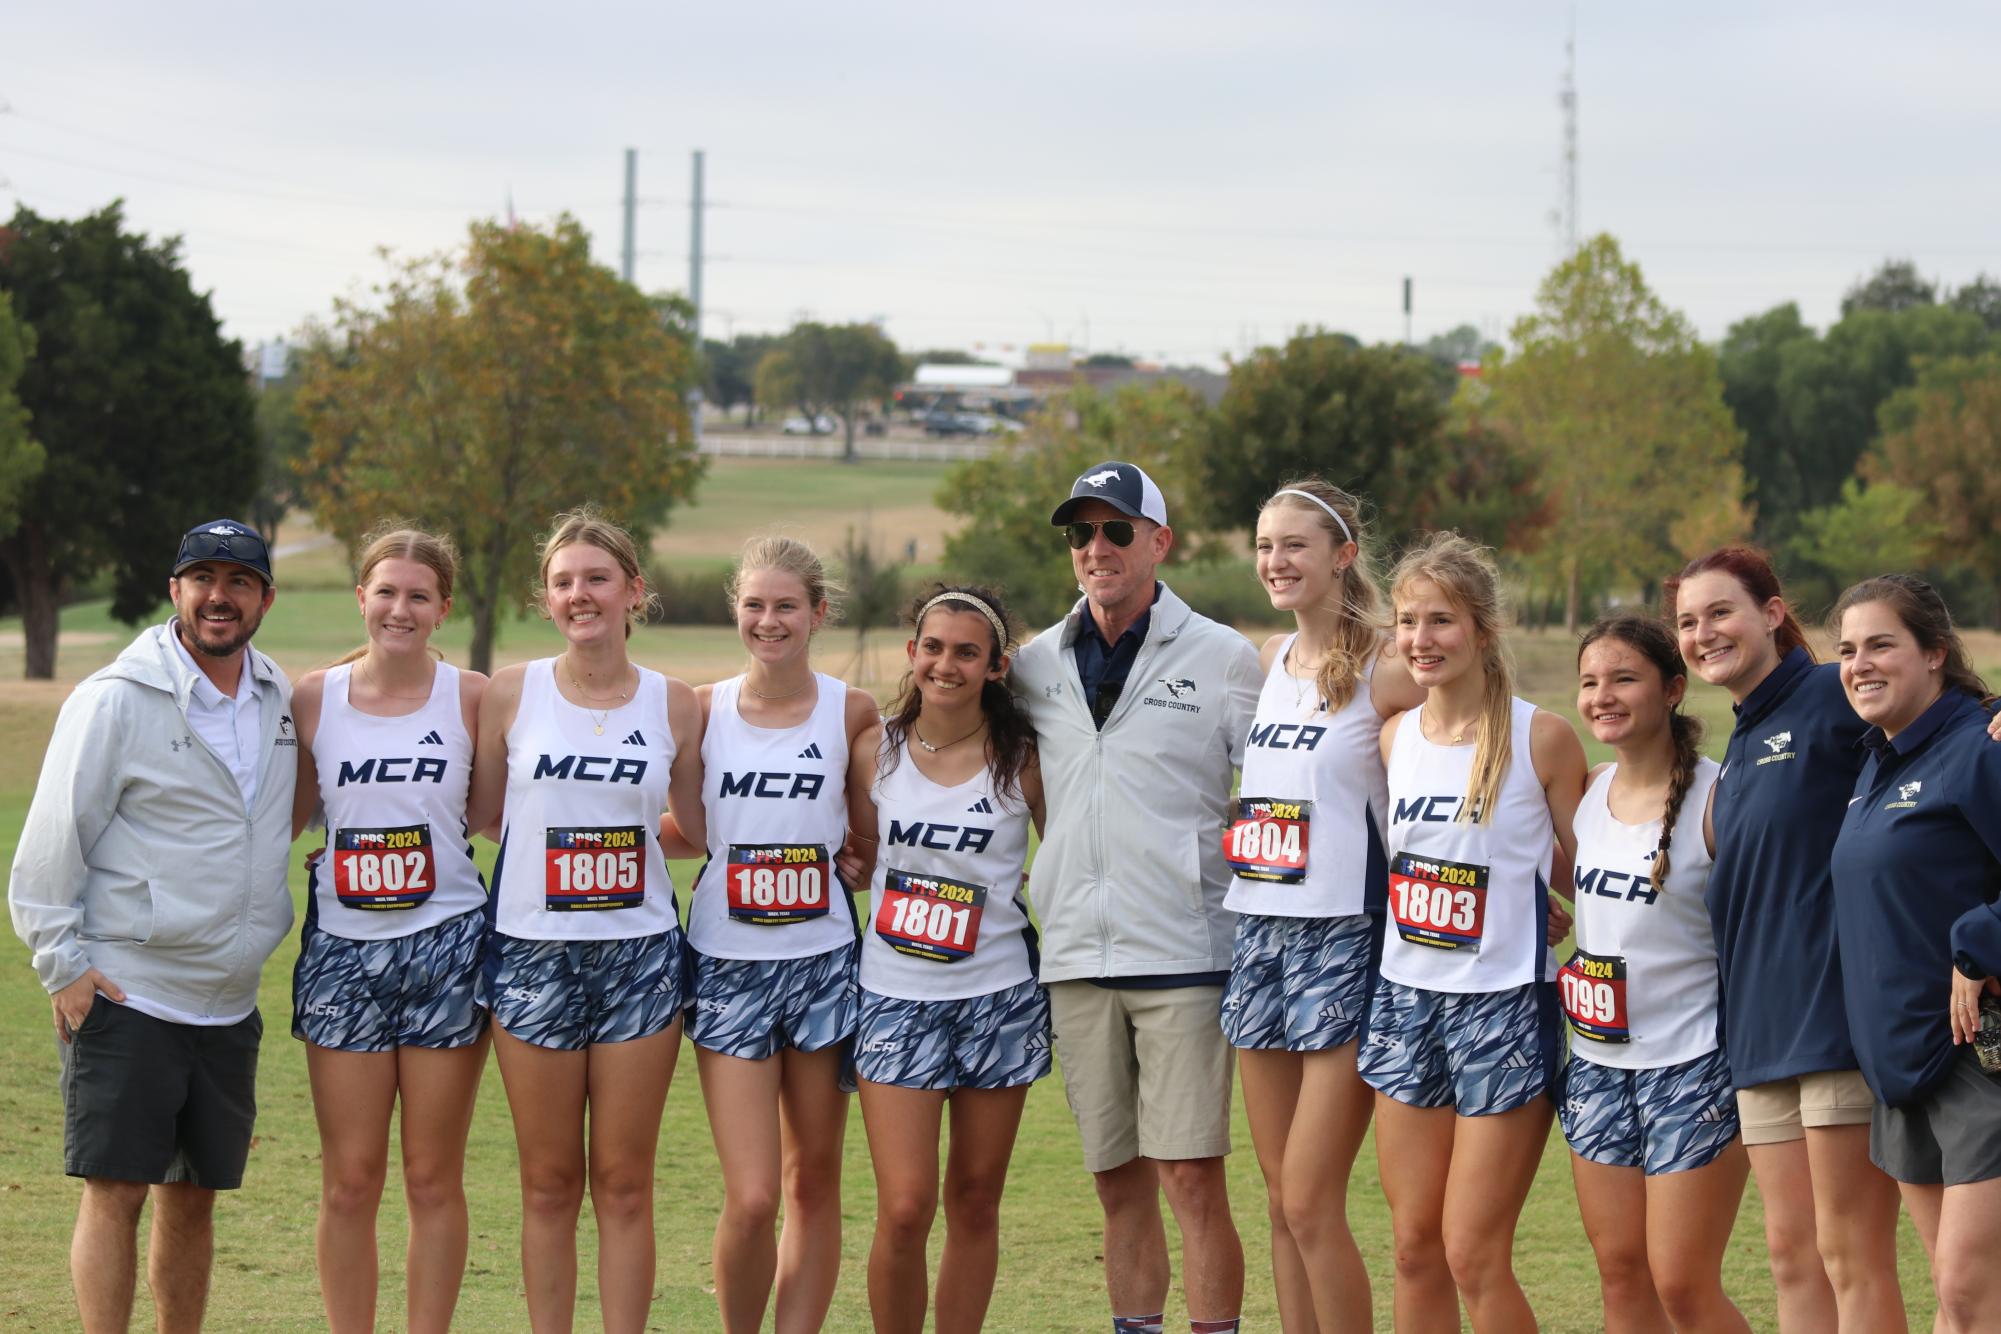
(568, 994)
(378, 995)
(1666, 1120)
(1300, 983)
(996, 1041)
(1477, 1052)
(753, 1008)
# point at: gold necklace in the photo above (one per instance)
(787, 695)
(933, 750)
(597, 718)
(1458, 735)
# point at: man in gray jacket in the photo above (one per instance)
(150, 886)
(1141, 708)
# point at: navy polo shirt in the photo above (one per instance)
(1787, 774)
(1102, 668)
(1916, 872)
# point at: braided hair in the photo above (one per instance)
(1652, 640)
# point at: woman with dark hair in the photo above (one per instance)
(1917, 870)
(1830, 1215)
(951, 1013)
(1647, 1107)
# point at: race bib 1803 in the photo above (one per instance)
(380, 870)
(777, 884)
(595, 869)
(1438, 903)
(1268, 839)
(930, 917)
(1593, 990)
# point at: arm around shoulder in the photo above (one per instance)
(1559, 766)
(498, 703)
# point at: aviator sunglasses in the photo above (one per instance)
(1119, 532)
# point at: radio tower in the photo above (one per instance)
(1566, 214)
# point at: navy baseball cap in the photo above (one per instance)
(1122, 486)
(225, 540)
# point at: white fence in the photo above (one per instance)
(920, 448)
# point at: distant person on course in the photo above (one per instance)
(1141, 708)
(150, 886)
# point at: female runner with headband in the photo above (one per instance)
(1307, 853)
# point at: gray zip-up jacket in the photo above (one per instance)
(1130, 876)
(138, 858)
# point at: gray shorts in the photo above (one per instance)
(1950, 1137)
(153, 1101)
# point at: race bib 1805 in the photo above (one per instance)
(595, 869)
(380, 870)
(777, 884)
(930, 917)
(1438, 903)
(1593, 990)
(1268, 839)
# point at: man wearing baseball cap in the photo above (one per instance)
(1141, 708)
(150, 886)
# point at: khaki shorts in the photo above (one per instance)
(1147, 1072)
(1783, 1110)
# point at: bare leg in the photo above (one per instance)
(1855, 1222)
(1327, 1129)
(354, 1093)
(984, 1122)
(1785, 1182)
(903, 1131)
(180, 1256)
(437, 1088)
(812, 1126)
(545, 1091)
(1689, 1217)
(1413, 1158)
(1212, 1257)
(1271, 1097)
(742, 1099)
(1494, 1161)
(1613, 1204)
(104, 1253)
(628, 1090)
(1964, 1269)
(1136, 1272)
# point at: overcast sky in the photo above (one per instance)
(1174, 179)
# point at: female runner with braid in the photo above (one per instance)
(1307, 853)
(1648, 1106)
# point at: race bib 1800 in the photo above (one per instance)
(777, 884)
(1268, 839)
(1438, 903)
(595, 869)
(380, 870)
(1593, 990)
(930, 917)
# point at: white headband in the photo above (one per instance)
(979, 605)
(1332, 512)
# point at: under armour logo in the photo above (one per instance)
(1099, 479)
(1051, 692)
(184, 743)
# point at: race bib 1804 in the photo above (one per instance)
(380, 870)
(777, 884)
(1438, 903)
(1268, 839)
(595, 869)
(930, 917)
(1593, 990)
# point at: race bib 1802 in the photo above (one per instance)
(930, 917)
(777, 884)
(1438, 903)
(595, 869)
(1268, 839)
(1593, 990)
(380, 870)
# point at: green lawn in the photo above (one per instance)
(1050, 1267)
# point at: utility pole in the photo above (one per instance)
(1406, 310)
(695, 289)
(631, 210)
(1567, 99)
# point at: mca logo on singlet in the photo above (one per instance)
(1615, 884)
(1287, 736)
(1777, 743)
(783, 786)
(1907, 796)
(590, 769)
(939, 837)
(1428, 810)
(392, 769)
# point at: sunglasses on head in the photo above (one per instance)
(1119, 532)
(237, 547)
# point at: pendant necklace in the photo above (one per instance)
(597, 718)
(933, 750)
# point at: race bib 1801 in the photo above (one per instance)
(930, 917)
(1438, 903)
(1268, 839)
(777, 884)
(380, 870)
(595, 869)
(1593, 990)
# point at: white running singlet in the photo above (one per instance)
(777, 802)
(1468, 903)
(1641, 990)
(580, 855)
(946, 919)
(397, 859)
(1305, 839)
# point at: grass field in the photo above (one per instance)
(1050, 1266)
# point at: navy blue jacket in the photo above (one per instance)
(1787, 773)
(1916, 872)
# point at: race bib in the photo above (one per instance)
(1593, 990)
(383, 870)
(590, 870)
(777, 884)
(1438, 903)
(930, 917)
(1268, 840)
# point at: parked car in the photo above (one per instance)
(824, 424)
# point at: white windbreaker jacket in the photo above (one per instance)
(1130, 876)
(138, 858)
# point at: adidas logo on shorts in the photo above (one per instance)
(984, 806)
(635, 739)
(431, 738)
(812, 752)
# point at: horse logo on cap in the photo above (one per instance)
(1099, 479)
